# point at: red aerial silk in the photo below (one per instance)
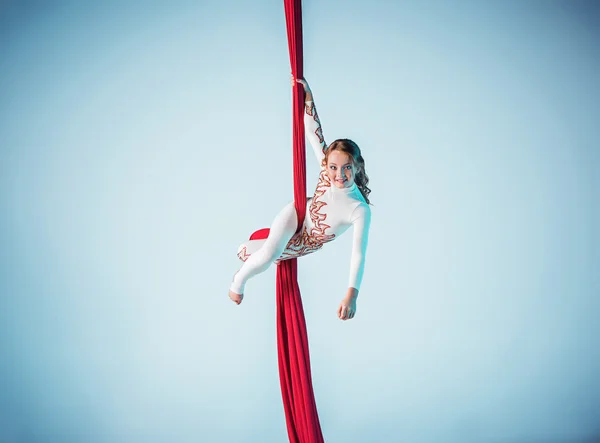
(292, 340)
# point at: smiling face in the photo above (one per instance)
(340, 169)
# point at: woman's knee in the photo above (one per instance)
(288, 215)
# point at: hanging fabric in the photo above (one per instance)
(292, 339)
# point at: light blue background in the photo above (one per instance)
(141, 142)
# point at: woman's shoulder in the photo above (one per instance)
(361, 210)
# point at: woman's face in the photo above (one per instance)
(340, 169)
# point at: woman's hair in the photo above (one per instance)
(360, 177)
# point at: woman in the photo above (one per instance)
(341, 200)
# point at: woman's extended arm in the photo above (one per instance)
(361, 220)
(312, 124)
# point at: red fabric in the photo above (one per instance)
(293, 20)
(292, 340)
(261, 234)
(294, 361)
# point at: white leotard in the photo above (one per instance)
(329, 213)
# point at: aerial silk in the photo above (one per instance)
(292, 340)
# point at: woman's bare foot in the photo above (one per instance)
(237, 298)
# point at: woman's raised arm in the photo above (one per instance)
(312, 124)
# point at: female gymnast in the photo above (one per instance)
(341, 200)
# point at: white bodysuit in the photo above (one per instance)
(329, 213)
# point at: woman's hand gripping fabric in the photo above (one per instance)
(308, 93)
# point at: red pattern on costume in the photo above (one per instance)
(303, 242)
(312, 111)
(243, 255)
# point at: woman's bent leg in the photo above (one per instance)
(282, 230)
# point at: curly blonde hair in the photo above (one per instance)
(360, 177)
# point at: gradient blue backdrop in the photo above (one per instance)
(141, 142)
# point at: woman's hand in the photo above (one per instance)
(304, 83)
(347, 308)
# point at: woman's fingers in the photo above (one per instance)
(351, 313)
(345, 312)
(299, 80)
